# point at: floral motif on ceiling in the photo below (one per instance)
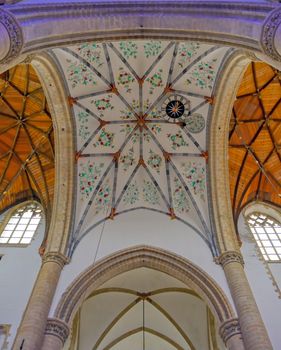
(130, 155)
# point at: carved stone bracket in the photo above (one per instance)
(230, 257)
(55, 257)
(15, 34)
(57, 328)
(229, 328)
(268, 35)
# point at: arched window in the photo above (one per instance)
(21, 224)
(267, 233)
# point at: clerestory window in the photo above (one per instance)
(21, 224)
(267, 233)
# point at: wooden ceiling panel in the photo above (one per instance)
(26, 149)
(247, 85)
(263, 149)
(248, 108)
(255, 127)
(262, 74)
(268, 96)
(244, 133)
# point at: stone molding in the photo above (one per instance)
(229, 23)
(14, 31)
(57, 328)
(143, 256)
(55, 257)
(230, 257)
(229, 328)
(269, 29)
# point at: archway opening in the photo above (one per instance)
(144, 309)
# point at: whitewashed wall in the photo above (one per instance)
(266, 297)
(18, 271)
(137, 228)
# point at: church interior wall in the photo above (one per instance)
(18, 270)
(261, 281)
(140, 227)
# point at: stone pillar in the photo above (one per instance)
(32, 328)
(252, 327)
(230, 333)
(11, 37)
(56, 334)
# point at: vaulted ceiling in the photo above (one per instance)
(143, 309)
(131, 151)
(255, 138)
(141, 110)
(26, 139)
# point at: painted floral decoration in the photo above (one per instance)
(92, 52)
(125, 79)
(131, 196)
(180, 198)
(177, 140)
(105, 139)
(103, 198)
(83, 118)
(203, 75)
(128, 159)
(88, 177)
(186, 51)
(154, 161)
(155, 80)
(78, 73)
(127, 129)
(103, 104)
(129, 49)
(150, 193)
(195, 175)
(128, 113)
(152, 48)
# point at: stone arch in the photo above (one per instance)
(61, 218)
(218, 152)
(252, 26)
(143, 256)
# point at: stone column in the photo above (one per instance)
(252, 327)
(230, 333)
(32, 328)
(56, 334)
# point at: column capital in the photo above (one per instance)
(57, 328)
(229, 328)
(230, 257)
(270, 35)
(11, 36)
(55, 257)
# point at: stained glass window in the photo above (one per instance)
(22, 225)
(267, 233)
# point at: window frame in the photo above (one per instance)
(271, 213)
(9, 214)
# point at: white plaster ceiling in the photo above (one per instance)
(130, 154)
(143, 309)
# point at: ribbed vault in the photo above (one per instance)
(132, 152)
(143, 309)
(255, 138)
(26, 140)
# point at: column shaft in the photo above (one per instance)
(33, 324)
(254, 334)
(235, 343)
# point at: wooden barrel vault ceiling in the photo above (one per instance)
(26, 140)
(255, 139)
